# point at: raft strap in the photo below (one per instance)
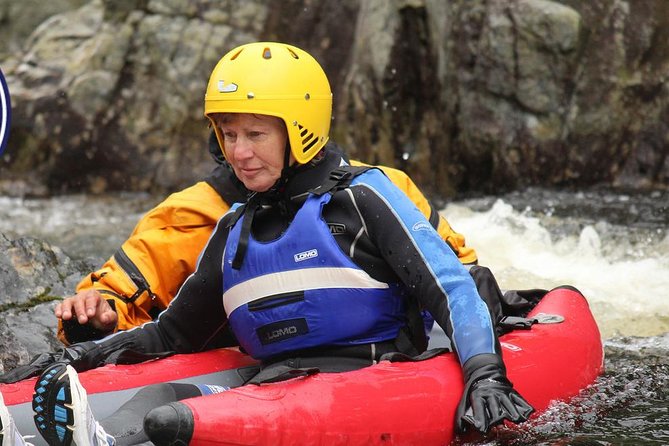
(334, 359)
(517, 323)
(427, 354)
(282, 372)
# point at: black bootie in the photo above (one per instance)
(170, 425)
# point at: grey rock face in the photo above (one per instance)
(33, 276)
(464, 95)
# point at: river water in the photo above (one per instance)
(612, 246)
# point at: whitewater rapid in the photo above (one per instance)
(626, 285)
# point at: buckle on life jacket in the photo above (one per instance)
(338, 178)
(340, 174)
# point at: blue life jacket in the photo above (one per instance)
(301, 291)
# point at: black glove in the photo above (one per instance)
(489, 397)
(83, 356)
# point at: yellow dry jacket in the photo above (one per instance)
(144, 275)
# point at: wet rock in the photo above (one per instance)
(31, 270)
(33, 276)
(25, 333)
(19, 20)
(109, 98)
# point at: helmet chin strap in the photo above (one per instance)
(286, 155)
(286, 173)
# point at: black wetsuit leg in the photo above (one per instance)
(127, 423)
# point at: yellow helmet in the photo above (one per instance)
(275, 79)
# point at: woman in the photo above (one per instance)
(326, 267)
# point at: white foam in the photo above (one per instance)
(628, 294)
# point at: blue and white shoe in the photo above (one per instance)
(62, 413)
(9, 436)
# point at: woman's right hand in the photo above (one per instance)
(88, 307)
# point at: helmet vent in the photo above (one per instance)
(306, 148)
(308, 139)
(293, 53)
(267, 53)
(236, 55)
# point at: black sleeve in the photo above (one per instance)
(195, 320)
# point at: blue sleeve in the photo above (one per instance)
(425, 263)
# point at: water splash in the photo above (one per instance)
(528, 251)
(629, 404)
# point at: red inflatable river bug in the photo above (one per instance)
(400, 403)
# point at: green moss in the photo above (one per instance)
(32, 302)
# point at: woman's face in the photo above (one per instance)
(254, 146)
